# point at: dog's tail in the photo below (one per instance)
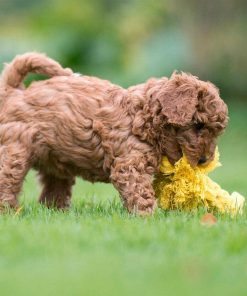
(31, 62)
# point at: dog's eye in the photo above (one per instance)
(199, 126)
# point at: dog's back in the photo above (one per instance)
(69, 118)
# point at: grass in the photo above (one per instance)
(98, 249)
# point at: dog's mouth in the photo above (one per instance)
(193, 159)
(201, 161)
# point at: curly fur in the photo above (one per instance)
(72, 125)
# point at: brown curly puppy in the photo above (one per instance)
(72, 125)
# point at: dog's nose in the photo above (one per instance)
(202, 160)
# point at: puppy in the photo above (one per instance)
(71, 125)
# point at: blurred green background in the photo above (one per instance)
(97, 248)
(128, 41)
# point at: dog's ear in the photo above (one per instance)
(178, 98)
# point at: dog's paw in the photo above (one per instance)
(6, 208)
(144, 207)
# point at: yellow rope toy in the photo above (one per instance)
(180, 186)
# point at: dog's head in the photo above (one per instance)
(194, 116)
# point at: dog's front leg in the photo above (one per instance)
(133, 179)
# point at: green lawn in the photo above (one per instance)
(98, 249)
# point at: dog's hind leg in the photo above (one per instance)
(56, 192)
(14, 165)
